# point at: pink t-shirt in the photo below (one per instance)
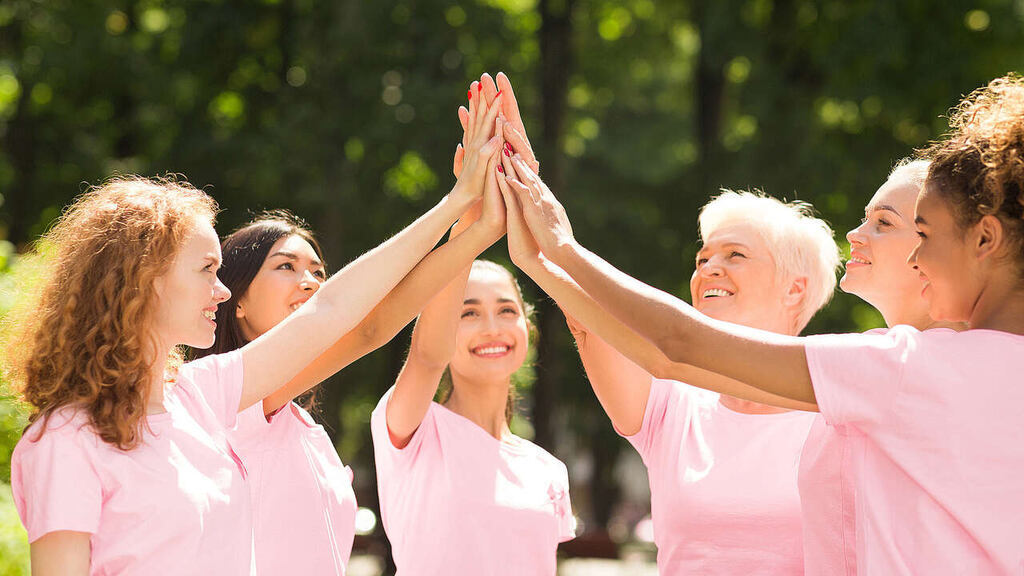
(828, 499)
(723, 484)
(176, 504)
(938, 483)
(304, 508)
(457, 501)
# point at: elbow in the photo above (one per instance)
(674, 345)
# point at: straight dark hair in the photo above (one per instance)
(243, 253)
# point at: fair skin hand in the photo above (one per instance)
(773, 363)
(514, 132)
(620, 368)
(61, 553)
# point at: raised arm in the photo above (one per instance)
(60, 553)
(343, 301)
(770, 362)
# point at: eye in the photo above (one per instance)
(211, 267)
(286, 266)
(921, 234)
(509, 310)
(321, 274)
(468, 314)
(884, 222)
(701, 261)
(735, 254)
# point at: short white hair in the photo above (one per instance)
(913, 169)
(801, 244)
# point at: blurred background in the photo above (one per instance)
(344, 111)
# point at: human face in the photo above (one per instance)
(877, 270)
(188, 294)
(736, 281)
(491, 339)
(290, 275)
(943, 260)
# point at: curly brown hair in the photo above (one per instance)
(979, 167)
(86, 341)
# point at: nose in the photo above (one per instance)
(220, 292)
(490, 324)
(308, 282)
(912, 259)
(711, 269)
(856, 236)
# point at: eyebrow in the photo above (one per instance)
(726, 245)
(920, 220)
(887, 207)
(294, 256)
(475, 302)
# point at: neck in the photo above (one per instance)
(1000, 306)
(483, 403)
(157, 377)
(748, 407)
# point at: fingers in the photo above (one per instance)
(471, 113)
(464, 121)
(492, 113)
(460, 156)
(520, 144)
(488, 88)
(478, 113)
(510, 106)
(523, 171)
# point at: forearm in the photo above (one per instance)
(397, 309)
(340, 304)
(771, 362)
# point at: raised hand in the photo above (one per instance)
(515, 131)
(481, 143)
(543, 214)
(522, 248)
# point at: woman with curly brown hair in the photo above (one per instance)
(938, 472)
(126, 467)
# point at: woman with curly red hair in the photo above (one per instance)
(938, 470)
(126, 466)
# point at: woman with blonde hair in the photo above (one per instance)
(126, 466)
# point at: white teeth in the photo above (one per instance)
(491, 350)
(859, 260)
(716, 293)
(210, 314)
(296, 306)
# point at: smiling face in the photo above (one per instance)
(950, 275)
(291, 273)
(188, 294)
(492, 336)
(736, 281)
(877, 270)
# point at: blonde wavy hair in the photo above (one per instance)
(86, 340)
(979, 167)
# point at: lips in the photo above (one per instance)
(491, 350)
(715, 293)
(857, 260)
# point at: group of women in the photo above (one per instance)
(136, 462)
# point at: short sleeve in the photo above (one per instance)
(663, 404)
(563, 506)
(54, 481)
(857, 377)
(386, 455)
(218, 378)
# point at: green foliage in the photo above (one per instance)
(13, 540)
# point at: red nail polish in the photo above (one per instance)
(508, 146)
(507, 153)
(500, 169)
(498, 94)
(479, 87)
(470, 94)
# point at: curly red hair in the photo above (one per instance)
(979, 167)
(86, 340)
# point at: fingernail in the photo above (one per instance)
(498, 94)
(508, 146)
(469, 93)
(500, 169)
(506, 152)
(479, 87)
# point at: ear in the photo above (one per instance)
(796, 292)
(988, 237)
(239, 311)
